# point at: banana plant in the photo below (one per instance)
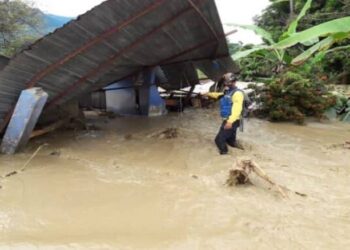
(320, 37)
(267, 36)
(329, 32)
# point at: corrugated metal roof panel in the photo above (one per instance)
(115, 39)
(3, 61)
(180, 75)
(215, 69)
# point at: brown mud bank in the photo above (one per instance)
(126, 185)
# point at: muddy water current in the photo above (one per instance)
(121, 185)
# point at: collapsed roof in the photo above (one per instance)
(3, 62)
(115, 40)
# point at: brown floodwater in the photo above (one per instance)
(121, 186)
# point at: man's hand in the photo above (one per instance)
(228, 125)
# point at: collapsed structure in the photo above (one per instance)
(119, 40)
(3, 62)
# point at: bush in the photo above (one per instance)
(291, 97)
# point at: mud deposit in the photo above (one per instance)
(122, 186)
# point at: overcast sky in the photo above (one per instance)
(231, 11)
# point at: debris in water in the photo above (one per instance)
(110, 115)
(25, 165)
(169, 133)
(11, 174)
(32, 157)
(237, 177)
(92, 127)
(90, 134)
(301, 194)
(128, 137)
(345, 145)
(240, 175)
(56, 153)
(8, 175)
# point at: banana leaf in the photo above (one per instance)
(257, 30)
(337, 26)
(311, 42)
(346, 117)
(293, 26)
(240, 54)
(323, 45)
(331, 113)
(338, 48)
(279, 1)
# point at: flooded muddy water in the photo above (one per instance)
(122, 186)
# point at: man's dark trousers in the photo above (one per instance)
(226, 136)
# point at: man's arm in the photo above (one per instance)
(237, 100)
(214, 95)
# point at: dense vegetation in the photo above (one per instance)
(335, 66)
(298, 83)
(21, 24)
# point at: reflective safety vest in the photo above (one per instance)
(226, 103)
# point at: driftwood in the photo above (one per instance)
(32, 157)
(25, 164)
(169, 133)
(240, 175)
(345, 145)
(49, 128)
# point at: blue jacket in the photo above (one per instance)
(226, 103)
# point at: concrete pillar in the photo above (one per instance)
(151, 104)
(25, 116)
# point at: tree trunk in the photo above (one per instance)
(291, 9)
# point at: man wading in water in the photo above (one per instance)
(231, 108)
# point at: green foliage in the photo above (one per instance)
(279, 51)
(244, 53)
(279, 54)
(257, 30)
(292, 97)
(259, 64)
(234, 47)
(332, 65)
(337, 61)
(19, 24)
(335, 30)
(277, 16)
(316, 42)
(339, 29)
(325, 39)
(341, 110)
(294, 24)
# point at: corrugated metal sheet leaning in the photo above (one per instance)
(113, 40)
